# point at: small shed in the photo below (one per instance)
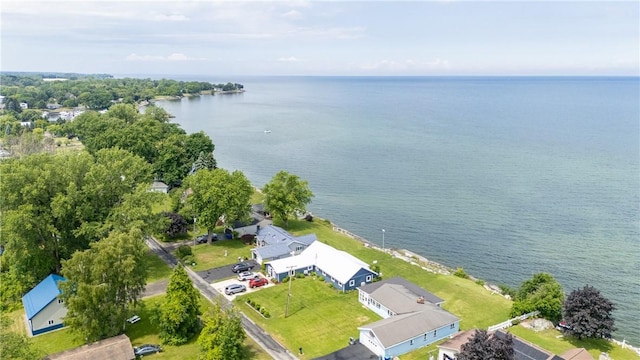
(43, 308)
(159, 186)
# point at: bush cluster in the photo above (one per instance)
(258, 308)
(461, 273)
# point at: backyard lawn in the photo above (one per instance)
(477, 307)
(321, 319)
(211, 256)
(142, 332)
(156, 268)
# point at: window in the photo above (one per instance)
(411, 342)
(60, 301)
(332, 279)
(352, 282)
(435, 332)
(368, 278)
(310, 267)
(50, 322)
(339, 284)
(425, 337)
(452, 326)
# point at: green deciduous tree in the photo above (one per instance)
(103, 284)
(222, 336)
(587, 314)
(180, 310)
(14, 346)
(286, 195)
(217, 193)
(541, 293)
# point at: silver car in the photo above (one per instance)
(246, 275)
(234, 289)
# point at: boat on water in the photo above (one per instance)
(267, 131)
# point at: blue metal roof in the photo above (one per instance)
(41, 295)
(306, 239)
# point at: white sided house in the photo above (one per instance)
(341, 269)
(43, 308)
(412, 316)
(159, 186)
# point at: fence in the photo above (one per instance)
(508, 323)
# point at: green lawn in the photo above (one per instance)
(321, 319)
(477, 307)
(156, 268)
(553, 341)
(211, 256)
(142, 332)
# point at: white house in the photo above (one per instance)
(43, 308)
(412, 318)
(341, 269)
(159, 186)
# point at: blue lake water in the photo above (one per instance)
(504, 177)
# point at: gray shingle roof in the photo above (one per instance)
(398, 294)
(396, 329)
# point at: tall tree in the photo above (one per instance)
(482, 346)
(222, 337)
(103, 284)
(587, 314)
(285, 195)
(13, 345)
(217, 194)
(180, 310)
(541, 293)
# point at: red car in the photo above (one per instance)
(257, 282)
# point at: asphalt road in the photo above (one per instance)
(262, 338)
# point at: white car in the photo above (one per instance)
(246, 275)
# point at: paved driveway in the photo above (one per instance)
(219, 286)
(223, 272)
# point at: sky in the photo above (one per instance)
(338, 38)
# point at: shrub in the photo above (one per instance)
(461, 273)
(515, 322)
(480, 282)
(300, 275)
(506, 290)
(313, 273)
(183, 251)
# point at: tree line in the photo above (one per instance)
(94, 92)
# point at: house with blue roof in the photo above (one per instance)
(274, 243)
(44, 309)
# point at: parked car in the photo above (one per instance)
(146, 349)
(246, 275)
(240, 267)
(202, 239)
(134, 319)
(234, 289)
(257, 282)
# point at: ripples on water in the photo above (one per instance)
(505, 177)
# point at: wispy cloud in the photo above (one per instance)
(288, 59)
(293, 15)
(171, 57)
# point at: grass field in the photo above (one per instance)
(142, 332)
(156, 268)
(320, 318)
(211, 256)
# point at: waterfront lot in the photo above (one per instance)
(212, 256)
(320, 319)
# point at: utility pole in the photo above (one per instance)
(286, 310)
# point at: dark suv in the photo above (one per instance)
(202, 239)
(240, 267)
